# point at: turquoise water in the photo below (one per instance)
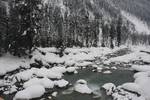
(94, 79)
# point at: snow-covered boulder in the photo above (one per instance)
(82, 87)
(133, 87)
(61, 83)
(84, 64)
(30, 93)
(71, 69)
(25, 75)
(110, 88)
(1, 83)
(52, 73)
(54, 94)
(45, 82)
(107, 72)
(141, 68)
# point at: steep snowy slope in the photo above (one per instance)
(135, 11)
(139, 8)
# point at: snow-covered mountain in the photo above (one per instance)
(135, 11)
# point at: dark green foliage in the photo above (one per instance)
(119, 30)
(30, 23)
(24, 19)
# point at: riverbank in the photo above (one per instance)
(45, 69)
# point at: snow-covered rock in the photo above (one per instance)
(84, 64)
(141, 68)
(135, 56)
(61, 83)
(45, 82)
(31, 92)
(1, 83)
(10, 63)
(71, 69)
(54, 94)
(107, 72)
(82, 87)
(110, 88)
(25, 75)
(132, 87)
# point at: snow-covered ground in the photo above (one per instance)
(139, 89)
(45, 70)
(140, 26)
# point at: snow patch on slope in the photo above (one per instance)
(140, 26)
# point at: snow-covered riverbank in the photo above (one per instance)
(45, 69)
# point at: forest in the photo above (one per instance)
(26, 24)
(74, 50)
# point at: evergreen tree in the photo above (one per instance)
(112, 35)
(119, 29)
(27, 12)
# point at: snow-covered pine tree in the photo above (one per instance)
(27, 12)
(119, 30)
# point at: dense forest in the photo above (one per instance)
(26, 24)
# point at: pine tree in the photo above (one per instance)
(112, 35)
(4, 24)
(119, 29)
(26, 13)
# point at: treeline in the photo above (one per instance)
(25, 24)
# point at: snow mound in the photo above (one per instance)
(110, 88)
(61, 83)
(107, 72)
(30, 93)
(135, 56)
(45, 82)
(71, 69)
(132, 87)
(25, 75)
(141, 68)
(10, 63)
(82, 87)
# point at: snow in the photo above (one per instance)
(107, 72)
(13, 89)
(109, 87)
(135, 56)
(30, 93)
(114, 68)
(140, 26)
(71, 69)
(61, 83)
(141, 68)
(118, 93)
(10, 63)
(84, 64)
(141, 74)
(45, 82)
(1, 83)
(132, 87)
(143, 82)
(73, 57)
(54, 94)
(82, 87)
(25, 75)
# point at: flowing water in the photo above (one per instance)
(94, 79)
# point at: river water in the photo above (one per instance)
(94, 79)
